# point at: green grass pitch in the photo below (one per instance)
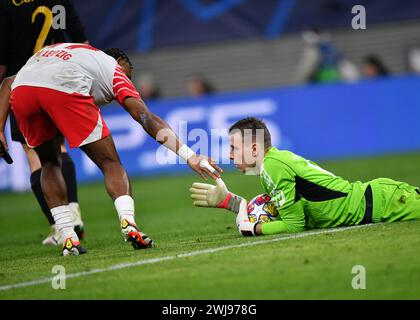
(311, 267)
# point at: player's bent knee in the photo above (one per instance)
(48, 152)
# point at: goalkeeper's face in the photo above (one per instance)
(243, 151)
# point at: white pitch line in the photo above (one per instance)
(181, 255)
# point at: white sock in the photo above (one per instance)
(125, 208)
(76, 214)
(62, 218)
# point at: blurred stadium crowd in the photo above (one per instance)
(320, 62)
(225, 46)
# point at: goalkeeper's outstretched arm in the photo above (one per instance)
(218, 196)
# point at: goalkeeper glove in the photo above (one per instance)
(218, 196)
(245, 227)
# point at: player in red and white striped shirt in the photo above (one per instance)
(60, 88)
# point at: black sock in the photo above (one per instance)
(69, 173)
(37, 190)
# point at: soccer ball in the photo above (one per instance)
(261, 209)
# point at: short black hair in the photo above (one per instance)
(252, 124)
(118, 54)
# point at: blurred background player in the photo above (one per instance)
(374, 67)
(149, 88)
(322, 62)
(60, 88)
(25, 28)
(199, 86)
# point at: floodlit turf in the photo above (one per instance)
(312, 267)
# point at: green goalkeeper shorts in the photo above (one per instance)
(394, 201)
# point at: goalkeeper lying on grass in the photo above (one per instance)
(306, 196)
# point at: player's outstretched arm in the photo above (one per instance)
(162, 133)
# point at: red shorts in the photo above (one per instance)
(41, 111)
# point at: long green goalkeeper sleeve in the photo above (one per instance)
(327, 200)
(292, 220)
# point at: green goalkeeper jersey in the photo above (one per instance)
(307, 196)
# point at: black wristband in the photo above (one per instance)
(6, 156)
